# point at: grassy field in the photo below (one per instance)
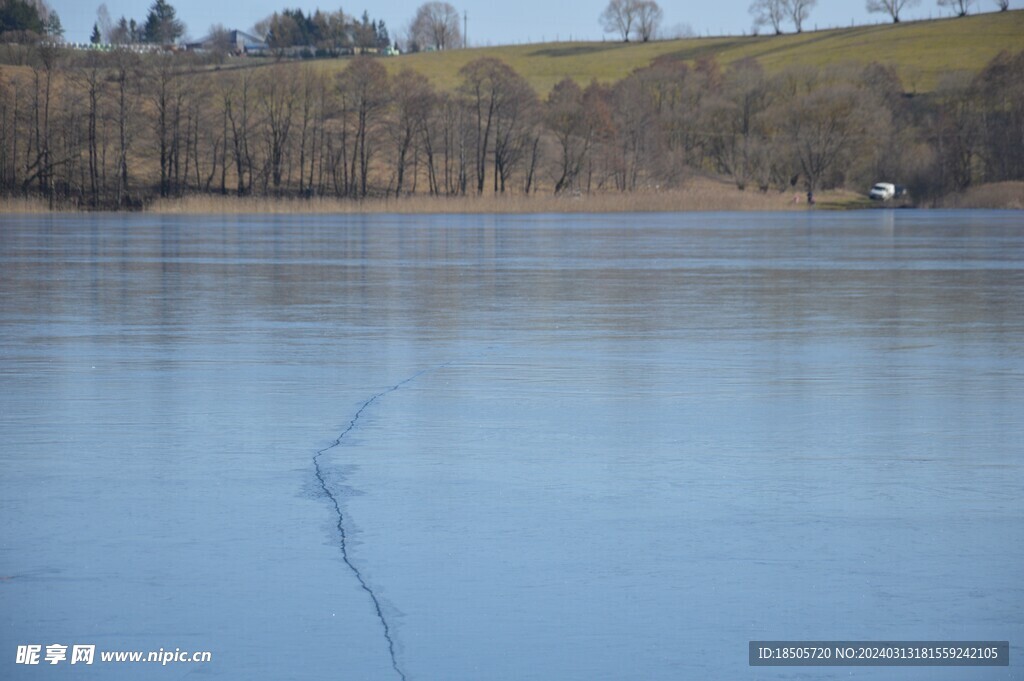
(921, 51)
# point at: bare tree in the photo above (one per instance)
(567, 117)
(9, 129)
(236, 101)
(413, 98)
(494, 94)
(454, 125)
(634, 120)
(890, 7)
(41, 160)
(127, 79)
(618, 17)
(679, 94)
(218, 41)
(823, 127)
(961, 7)
(90, 78)
(735, 122)
(999, 89)
(164, 88)
(1003, 5)
(513, 127)
(277, 96)
(680, 31)
(769, 13)
(365, 92)
(427, 133)
(311, 125)
(436, 25)
(196, 122)
(799, 10)
(104, 23)
(957, 135)
(648, 19)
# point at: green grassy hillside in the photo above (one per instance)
(921, 51)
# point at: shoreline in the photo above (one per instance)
(699, 196)
(702, 197)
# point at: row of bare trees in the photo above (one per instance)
(775, 14)
(638, 18)
(114, 130)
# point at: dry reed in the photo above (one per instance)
(997, 195)
(700, 196)
(19, 204)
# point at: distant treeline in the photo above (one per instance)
(328, 33)
(115, 130)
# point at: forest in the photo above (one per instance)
(116, 130)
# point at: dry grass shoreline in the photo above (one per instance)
(699, 196)
(702, 195)
(638, 202)
(1008, 195)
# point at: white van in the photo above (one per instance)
(883, 191)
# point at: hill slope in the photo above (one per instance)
(921, 51)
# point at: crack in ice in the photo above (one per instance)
(341, 517)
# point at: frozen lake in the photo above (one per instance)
(572, 448)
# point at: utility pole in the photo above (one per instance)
(465, 29)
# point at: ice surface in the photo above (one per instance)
(638, 442)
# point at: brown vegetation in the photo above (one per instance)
(118, 131)
(998, 195)
(21, 204)
(699, 194)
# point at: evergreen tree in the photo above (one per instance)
(95, 38)
(162, 26)
(121, 33)
(18, 15)
(366, 32)
(53, 27)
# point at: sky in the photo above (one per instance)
(491, 23)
